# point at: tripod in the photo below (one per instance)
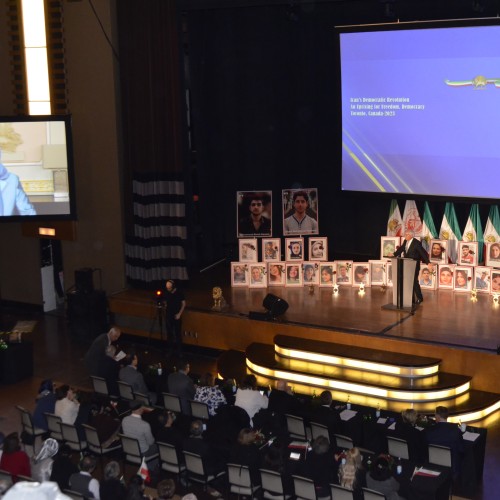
(157, 320)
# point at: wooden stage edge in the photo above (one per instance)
(137, 313)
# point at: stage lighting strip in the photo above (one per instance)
(476, 415)
(354, 363)
(349, 387)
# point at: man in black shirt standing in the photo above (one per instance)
(176, 303)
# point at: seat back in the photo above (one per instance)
(70, 436)
(54, 425)
(341, 493)
(398, 447)
(271, 481)
(369, 494)
(131, 449)
(319, 430)
(171, 402)
(92, 438)
(439, 455)
(199, 410)
(169, 458)
(304, 488)
(100, 385)
(295, 426)
(344, 442)
(194, 463)
(26, 420)
(143, 398)
(239, 480)
(125, 391)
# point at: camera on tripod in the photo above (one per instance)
(159, 298)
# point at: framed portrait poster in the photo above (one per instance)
(446, 276)
(492, 254)
(300, 211)
(495, 281)
(294, 249)
(257, 275)
(293, 273)
(271, 249)
(361, 274)
(482, 279)
(463, 278)
(388, 245)
(438, 251)
(254, 213)
(343, 272)
(326, 274)
(378, 270)
(310, 273)
(318, 249)
(467, 253)
(239, 274)
(248, 250)
(427, 276)
(276, 274)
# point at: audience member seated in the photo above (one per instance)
(88, 404)
(180, 384)
(444, 433)
(281, 402)
(132, 376)
(166, 490)
(41, 466)
(95, 355)
(320, 466)
(273, 460)
(228, 388)
(245, 452)
(82, 482)
(351, 473)
(380, 478)
(326, 415)
(249, 398)
(109, 370)
(169, 433)
(209, 394)
(135, 489)
(45, 403)
(63, 467)
(14, 460)
(134, 426)
(106, 425)
(67, 405)
(111, 487)
(405, 429)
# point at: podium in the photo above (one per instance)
(403, 277)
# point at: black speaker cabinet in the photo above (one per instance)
(275, 305)
(84, 280)
(87, 314)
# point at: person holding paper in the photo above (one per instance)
(96, 353)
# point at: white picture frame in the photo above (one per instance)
(492, 256)
(438, 252)
(495, 281)
(248, 250)
(293, 224)
(276, 274)
(310, 273)
(463, 278)
(343, 272)
(482, 279)
(388, 245)
(318, 249)
(468, 253)
(378, 272)
(427, 277)
(361, 274)
(293, 274)
(445, 274)
(271, 249)
(257, 275)
(252, 205)
(239, 274)
(326, 274)
(294, 249)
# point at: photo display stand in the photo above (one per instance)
(403, 277)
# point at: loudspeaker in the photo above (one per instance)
(84, 280)
(274, 305)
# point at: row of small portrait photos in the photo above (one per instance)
(295, 249)
(484, 279)
(438, 251)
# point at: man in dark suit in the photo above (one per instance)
(444, 433)
(326, 415)
(96, 354)
(412, 249)
(132, 376)
(180, 384)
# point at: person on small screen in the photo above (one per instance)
(495, 251)
(445, 276)
(309, 273)
(13, 199)
(326, 275)
(437, 252)
(425, 277)
(495, 283)
(467, 256)
(257, 274)
(239, 274)
(482, 281)
(317, 250)
(270, 251)
(342, 274)
(292, 274)
(275, 273)
(255, 222)
(359, 274)
(299, 222)
(461, 279)
(295, 248)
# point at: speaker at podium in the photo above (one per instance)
(403, 278)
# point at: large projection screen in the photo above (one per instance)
(421, 111)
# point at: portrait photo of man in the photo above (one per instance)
(254, 211)
(300, 211)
